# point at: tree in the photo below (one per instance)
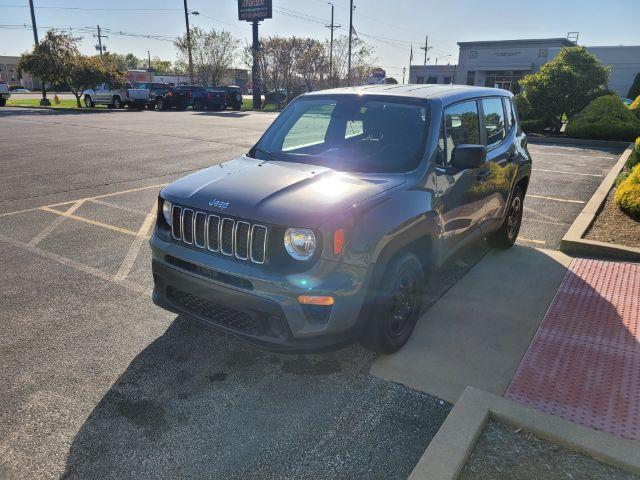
(86, 72)
(162, 67)
(634, 91)
(50, 59)
(311, 61)
(362, 61)
(565, 85)
(213, 54)
(390, 81)
(125, 62)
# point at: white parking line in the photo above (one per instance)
(555, 199)
(578, 156)
(568, 173)
(539, 242)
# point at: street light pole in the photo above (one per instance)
(255, 71)
(186, 19)
(44, 100)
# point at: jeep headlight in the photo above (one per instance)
(300, 243)
(166, 212)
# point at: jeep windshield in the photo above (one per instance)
(350, 133)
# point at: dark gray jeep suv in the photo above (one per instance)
(325, 230)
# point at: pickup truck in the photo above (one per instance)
(156, 90)
(209, 99)
(179, 97)
(117, 96)
(4, 93)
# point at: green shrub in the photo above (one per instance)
(634, 91)
(605, 118)
(525, 110)
(635, 107)
(627, 195)
(634, 158)
(534, 125)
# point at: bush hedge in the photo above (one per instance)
(634, 158)
(605, 118)
(627, 195)
(635, 107)
(534, 125)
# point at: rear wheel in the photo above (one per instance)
(88, 102)
(506, 235)
(397, 308)
(161, 104)
(3, 101)
(117, 102)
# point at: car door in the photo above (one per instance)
(101, 94)
(499, 138)
(460, 198)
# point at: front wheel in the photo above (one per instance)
(161, 104)
(88, 102)
(506, 235)
(3, 101)
(396, 307)
(117, 103)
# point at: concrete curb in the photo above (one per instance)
(577, 141)
(449, 450)
(572, 243)
(60, 109)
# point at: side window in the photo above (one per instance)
(354, 128)
(509, 110)
(309, 129)
(461, 126)
(493, 121)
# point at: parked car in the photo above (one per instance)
(626, 101)
(117, 96)
(4, 93)
(326, 230)
(209, 99)
(233, 96)
(179, 96)
(276, 96)
(18, 89)
(156, 90)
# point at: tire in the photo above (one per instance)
(117, 103)
(506, 235)
(161, 104)
(88, 102)
(397, 308)
(199, 105)
(181, 107)
(3, 102)
(237, 107)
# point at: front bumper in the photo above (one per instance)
(258, 306)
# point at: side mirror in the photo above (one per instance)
(468, 156)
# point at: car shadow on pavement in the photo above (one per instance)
(208, 113)
(36, 111)
(199, 404)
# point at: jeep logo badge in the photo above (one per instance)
(218, 204)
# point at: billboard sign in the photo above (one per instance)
(254, 10)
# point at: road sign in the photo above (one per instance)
(254, 10)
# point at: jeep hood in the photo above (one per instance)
(281, 193)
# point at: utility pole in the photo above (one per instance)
(44, 100)
(404, 70)
(149, 63)
(426, 49)
(99, 36)
(255, 71)
(351, 8)
(331, 27)
(186, 19)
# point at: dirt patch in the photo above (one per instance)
(505, 452)
(613, 226)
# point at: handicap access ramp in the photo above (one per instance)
(478, 332)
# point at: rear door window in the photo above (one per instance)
(494, 123)
(510, 122)
(461, 126)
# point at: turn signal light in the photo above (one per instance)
(325, 301)
(338, 241)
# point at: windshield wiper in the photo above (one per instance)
(266, 152)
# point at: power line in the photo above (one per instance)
(97, 9)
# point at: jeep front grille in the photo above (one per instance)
(225, 235)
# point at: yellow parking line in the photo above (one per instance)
(91, 222)
(134, 249)
(555, 199)
(539, 242)
(53, 225)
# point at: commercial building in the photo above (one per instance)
(9, 73)
(502, 63)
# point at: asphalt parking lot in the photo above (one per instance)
(99, 383)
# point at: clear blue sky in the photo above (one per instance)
(395, 23)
